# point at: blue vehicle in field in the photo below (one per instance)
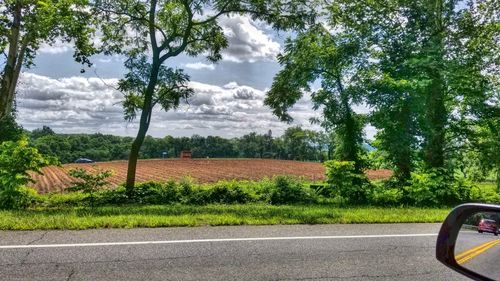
(84, 160)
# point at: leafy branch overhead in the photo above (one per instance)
(26, 25)
(171, 87)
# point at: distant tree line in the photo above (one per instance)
(295, 144)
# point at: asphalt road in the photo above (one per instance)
(300, 252)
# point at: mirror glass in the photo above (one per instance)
(478, 244)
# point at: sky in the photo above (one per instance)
(228, 99)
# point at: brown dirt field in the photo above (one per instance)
(55, 179)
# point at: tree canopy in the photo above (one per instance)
(25, 25)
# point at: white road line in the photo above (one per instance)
(210, 241)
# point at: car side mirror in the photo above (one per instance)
(468, 241)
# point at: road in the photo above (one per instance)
(296, 252)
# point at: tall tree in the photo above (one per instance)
(26, 24)
(335, 60)
(432, 62)
(151, 32)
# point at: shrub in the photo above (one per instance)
(170, 192)
(223, 192)
(17, 159)
(144, 193)
(485, 194)
(228, 193)
(19, 198)
(89, 183)
(117, 196)
(186, 186)
(287, 190)
(436, 187)
(344, 181)
(384, 194)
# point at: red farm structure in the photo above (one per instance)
(185, 154)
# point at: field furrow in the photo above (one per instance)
(56, 179)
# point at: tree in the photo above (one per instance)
(26, 24)
(44, 131)
(334, 60)
(433, 66)
(150, 32)
(250, 145)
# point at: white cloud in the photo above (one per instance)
(58, 47)
(231, 85)
(247, 41)
(89, 105)
(199, 66)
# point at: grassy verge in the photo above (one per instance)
(184, 215)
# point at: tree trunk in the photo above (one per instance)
(143, 129)
(436, 121)
(436, 115)
(349, 148)
(13, 64)
(403, 140)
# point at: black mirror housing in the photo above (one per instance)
(448, 234)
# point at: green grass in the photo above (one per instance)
(182, 215)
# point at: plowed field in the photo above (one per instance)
(202, 170)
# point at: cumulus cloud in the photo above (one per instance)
(89, 105)
(247, 41)
(199, 66)
(58, 47)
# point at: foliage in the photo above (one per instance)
(17, 160)
(484, 193)
(344, 181)
(170, 89)
(19, 198)
(98, 147)
(11, 131)
(279, 190)
(378, 159)
(295, 144)
(26, 25)
(436, 187)
(383, 194)
(317, 54)
(433, 72)
(286, 190)
(89, 183)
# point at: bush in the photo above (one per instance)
(117, 196)
(228, 193)
(383, 194)
(89, 183)
(344, 181)
(17, 159)
(436, 187)
(144, 193)
(485, 194)
(223, 192)
(19, 198)
(287, 190)
(185, 191)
